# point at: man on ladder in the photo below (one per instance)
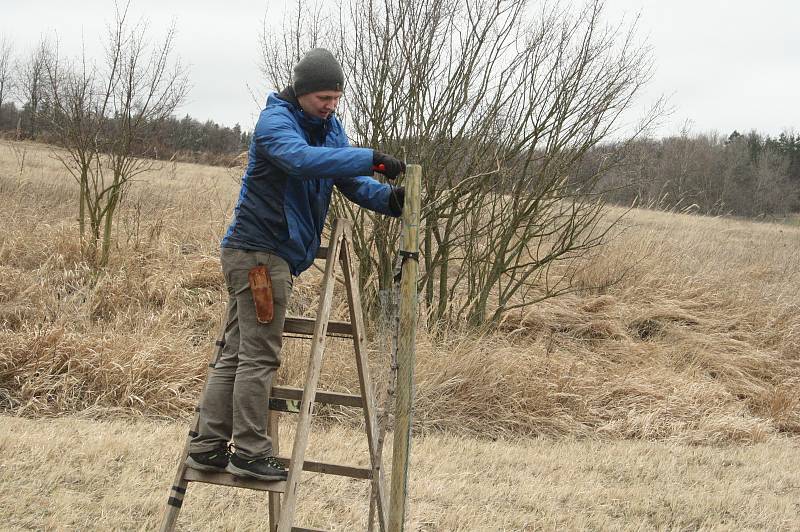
(298, 153)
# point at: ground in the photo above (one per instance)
(71, 473)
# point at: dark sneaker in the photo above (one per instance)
(263, 469)
(215, 460)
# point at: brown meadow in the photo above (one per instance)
(670, 372)
(690, 330)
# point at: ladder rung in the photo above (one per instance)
(305, 326)
(332, 469)
(284, 405)
(226, 479)
(300, 529)
(329, 398)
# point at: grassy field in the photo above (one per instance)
(77, 474)
(681, 354)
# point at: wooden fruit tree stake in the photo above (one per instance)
(409, 250)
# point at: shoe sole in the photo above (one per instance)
(239, 472)
(194, 464)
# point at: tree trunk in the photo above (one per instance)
(108, 226)
(429, 293)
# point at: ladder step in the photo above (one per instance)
(300, 529)
(277, 486)
(363, 473)
(226, 479)
(329, 398)
(284, 405)
(305, 327)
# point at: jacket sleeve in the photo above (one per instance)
(365, 190)
(277, 139)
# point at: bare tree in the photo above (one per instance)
(305, 27)
(102, 115)
(77, 119)
(498, 101)
(773, 192)
(31, 85)
(6, 72)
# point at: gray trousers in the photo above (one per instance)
(235, 404)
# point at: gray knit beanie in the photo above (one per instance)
(318, 70)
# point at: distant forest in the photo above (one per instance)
(182, 139)
(740, 174)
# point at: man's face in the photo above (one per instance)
(320, 104)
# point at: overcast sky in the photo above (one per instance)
(724, 64)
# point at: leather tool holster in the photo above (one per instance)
(261, 287)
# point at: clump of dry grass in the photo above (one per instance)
(698, 341)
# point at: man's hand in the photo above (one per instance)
(387, 165)
(397, 199)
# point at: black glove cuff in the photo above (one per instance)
(397, 198)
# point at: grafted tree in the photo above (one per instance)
(498, 100)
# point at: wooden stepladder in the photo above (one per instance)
(339, 254)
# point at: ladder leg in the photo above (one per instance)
(365, 383)
(179, 484)
(274, 498)
(312, 378)
(178, 489)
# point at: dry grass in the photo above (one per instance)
(75, 474)
(699, 341)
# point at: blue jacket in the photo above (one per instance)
(293, 163)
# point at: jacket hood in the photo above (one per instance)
(288, 98)
(288, 95)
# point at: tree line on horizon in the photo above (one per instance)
(752, 174)
(179, 139)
